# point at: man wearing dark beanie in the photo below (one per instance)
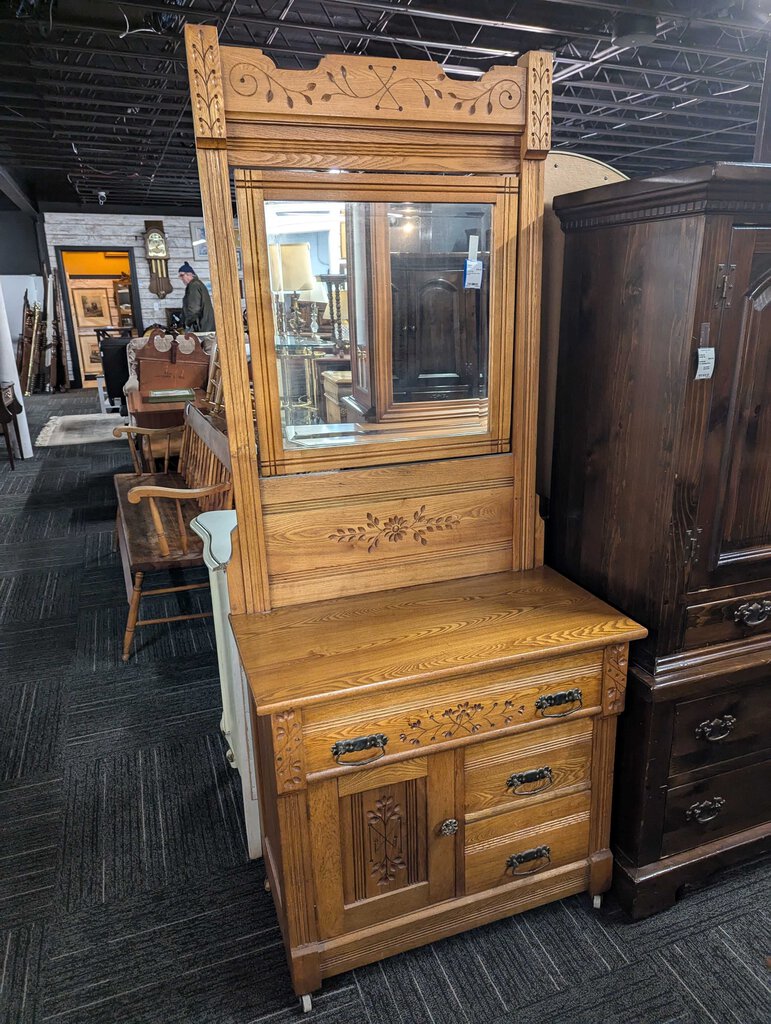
(197, 310)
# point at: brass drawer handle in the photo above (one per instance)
(342, 747)
(554, 700)
(715, 730)
(706, 810)
(752, 613)
(539, 853)
(518, 779)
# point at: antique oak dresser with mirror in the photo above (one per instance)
(435, 710)
(661, 502)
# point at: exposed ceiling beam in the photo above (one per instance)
(12, 190)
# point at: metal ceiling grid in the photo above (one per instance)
(93, 96)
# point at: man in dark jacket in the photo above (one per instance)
(197, 310)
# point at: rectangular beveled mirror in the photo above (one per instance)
(386, 325)
(390, 298)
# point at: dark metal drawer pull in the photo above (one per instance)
(715, 730)
(376, 740)
(534, 775)
(517, 859)
(553, 700)
(706, 810)
(753, 613)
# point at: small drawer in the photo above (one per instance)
(522, 843)
(364, 729)
(715, 729)
(718, 806)
(719, 622)
(521, 769)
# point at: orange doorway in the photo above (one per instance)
(99, 289)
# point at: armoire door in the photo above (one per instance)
(735, 500)
(383, 842)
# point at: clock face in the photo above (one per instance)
(156, 245)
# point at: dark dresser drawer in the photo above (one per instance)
(719, 806)
(718, 622)
(714, 729)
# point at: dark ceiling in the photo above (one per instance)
(93, 95)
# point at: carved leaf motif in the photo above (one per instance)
(395, 529)
(615, 676)
(287, 740)
(384, 84)
(207, 89)
(463, 719)
(386, 844)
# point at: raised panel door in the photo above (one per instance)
(735, 502)
(383, 842)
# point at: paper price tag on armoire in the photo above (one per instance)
(705, 365)
(472, 274)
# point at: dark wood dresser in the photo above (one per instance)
(661, 502)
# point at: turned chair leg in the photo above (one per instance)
(133, 614)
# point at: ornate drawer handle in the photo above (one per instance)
(715, 730)
(342, 747)
(753, 613)
(449, 827)
(553, 700)
(706, 810)
(538, 853)
(534, 775)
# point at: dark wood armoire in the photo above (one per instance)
(661, 502)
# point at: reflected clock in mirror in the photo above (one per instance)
(381, 319)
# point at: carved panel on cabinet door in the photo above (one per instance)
(383, 836)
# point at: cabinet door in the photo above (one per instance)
(379, 849)
(735, 501)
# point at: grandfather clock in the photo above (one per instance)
(157, 252)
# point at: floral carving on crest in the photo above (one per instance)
(394, 528)
(386, 86)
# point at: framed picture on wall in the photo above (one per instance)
(92, 307)
(198, 238)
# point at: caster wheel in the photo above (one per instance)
(597, 902)
(306, 1004)
(266, 885)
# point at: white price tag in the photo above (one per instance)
(706, 364)
(472, 274)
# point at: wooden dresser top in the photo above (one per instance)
(306, 654)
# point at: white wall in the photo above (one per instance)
(12, 287)
(125, 231)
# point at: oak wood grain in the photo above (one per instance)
(565, 748)
(561, 824)
(453, 711)
(312, 653)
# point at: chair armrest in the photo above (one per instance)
(136, 494)
(148, 431)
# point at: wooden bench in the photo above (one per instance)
(155, 509)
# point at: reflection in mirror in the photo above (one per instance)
(381, 319)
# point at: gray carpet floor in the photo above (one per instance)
(126, 894)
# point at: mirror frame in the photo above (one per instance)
(253, 189)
